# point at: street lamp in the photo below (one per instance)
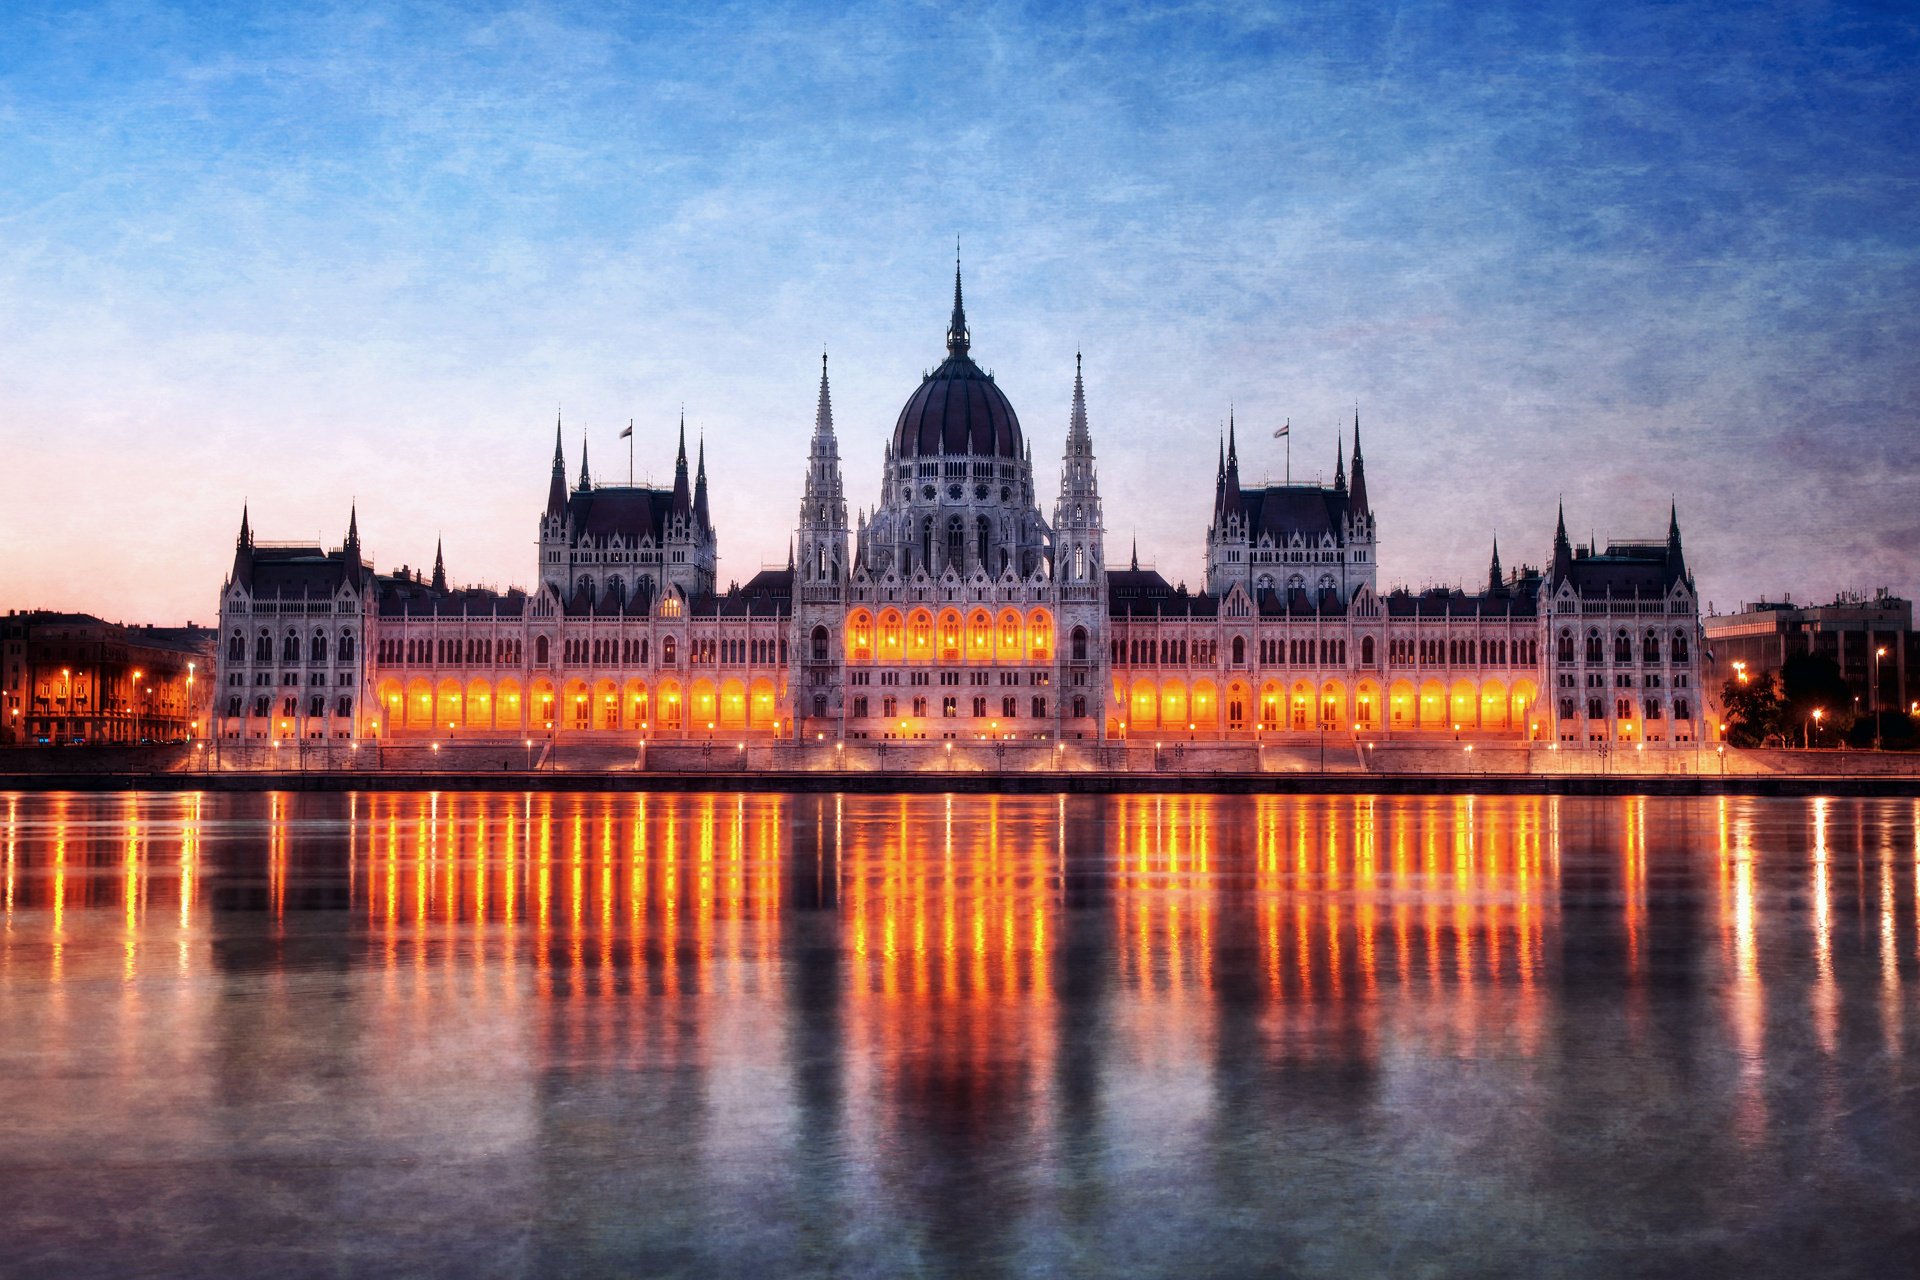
(1873, 695)
(1813, 722)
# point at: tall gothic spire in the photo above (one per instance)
(557, 488)
(1134, 563)
(1357, 502)
(682, 491)
(243, 551)
(350, 549)
(1493, 570)
(823, 412)
(1339, 465)
(700, 516)
(1676, 558)
(439, 568)
(586, 472)
(957, 336)
(1562, 548)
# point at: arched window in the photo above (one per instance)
(318, 649)
(1595, 652)
(1366, 651)
(1622, 647)
(1680, 648)
(1239, 651)
(290, 651)
(820, 643)
(1079, 642)
(346, 646)
(237, 646)
(541, 649)
(669, 650)
(1566, 646)
(1650, 651)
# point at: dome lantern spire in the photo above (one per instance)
(957, 335)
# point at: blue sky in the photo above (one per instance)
(304, 255)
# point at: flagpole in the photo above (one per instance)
(629, 453)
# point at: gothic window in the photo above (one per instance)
(1595, 709)
(1622, 647)
(346, 646)
(1679, 646)
(1566, 646)
(1650, 651)
(540, 650)
(1595, 652)
(1366, 651)
(1680, 709)
(1566, 708)
(819, 644)
(290, 651)
(981, 537)
(669, 650)
(1653, 708)
(318, 649)
(956, 543)
(1296, 582)
(1239, 651)
(237, 647)
(1079, 642)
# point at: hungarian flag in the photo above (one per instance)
(628, 431)
(1285, 430)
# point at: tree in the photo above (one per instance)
(1754, 711)
(1812, 682)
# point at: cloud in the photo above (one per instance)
(364, 251)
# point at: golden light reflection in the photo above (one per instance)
(1430, 922)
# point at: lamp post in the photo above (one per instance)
(1873, 695)
(1812, 722)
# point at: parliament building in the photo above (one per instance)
(956, 609)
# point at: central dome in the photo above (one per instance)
(958, 409)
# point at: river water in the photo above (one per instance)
(880, 1036)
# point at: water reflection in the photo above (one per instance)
(959, 1034)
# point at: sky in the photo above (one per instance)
(300, 257)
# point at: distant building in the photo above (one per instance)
(954, 609)
(74, 678)
(1851, 630)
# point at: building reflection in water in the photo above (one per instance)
(941, 1028)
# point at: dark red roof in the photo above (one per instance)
(958, 409)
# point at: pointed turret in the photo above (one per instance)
(1562, 548)
(1134, 562)
(957, 336)
(350, 549)
(682, 491)
(1357, 503)
(1494, 583)
(439, 568)
(557, 488)
(1230, 479)
(243, 551)
(1676, 558)
(700, 517)
(586, 471)
(1339, 465)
